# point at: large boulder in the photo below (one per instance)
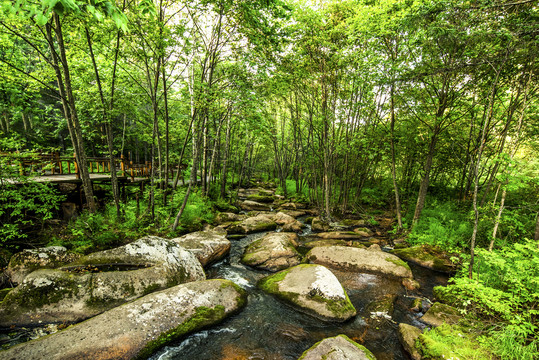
(371, 260)
(330, 242)
(427, 256)
(249, 205)
(273, 252)
(207, 246)
(252, 224)
(408, 336)
(318, 224)
(29, 260)
(293, 206)
(312, 288)
(226, 217)
(344, 235)
(288, 223)
(95, 283)
(439, 314)
(340, 347)
(137, 329)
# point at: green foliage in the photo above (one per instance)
(505, 289)
(198, 209)
(442, 224)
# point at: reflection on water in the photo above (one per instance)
(270, 329)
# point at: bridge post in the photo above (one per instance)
(77, 172)
(122, 165)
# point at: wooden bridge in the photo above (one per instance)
(60, 169)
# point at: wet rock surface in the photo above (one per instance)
(337, 348)
(312, 288)
(253, 224)
(137, 329)
(427, 256)
(207, 246)
(273, 252)
(371, 260)
(94, 283)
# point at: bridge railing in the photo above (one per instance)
(31, 164)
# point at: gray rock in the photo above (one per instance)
(249, 205)
(337, 348)
(439, 314)
(343, 235)
(252, 224)
(23, 263)
(370, 260)
(137, 329)
(293, 206)
(319, 225)
(207, 246)
(408, 335)
(88, 287)
(273, 252)
(312, 288)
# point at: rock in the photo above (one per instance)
(23, 263)
(411, 284)
(426, 256)
(294, 213)
(312, 288)
(273, 252)
(253, 224)
(337, 348)
(293, 206)
(352, 222)
(417, 305)
(363, 232)
(408, 335)
(261, 198)
(67, 188)
(319, 225)
(345, 235)
(137, 329)
(331, 242)
(249, 205)
(382, 307)
(282, 219)
(88, 287)
(207, 246)
(440, 313)
(226, 217)
(360, 260)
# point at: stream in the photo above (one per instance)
(269, 329)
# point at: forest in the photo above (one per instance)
(421, 111)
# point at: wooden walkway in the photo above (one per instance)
(72, 178)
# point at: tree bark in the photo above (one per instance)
(425, 181)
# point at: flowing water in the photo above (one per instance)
(270, 329)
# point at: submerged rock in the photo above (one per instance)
(137, 329)
(340, 347)
(23, 263)
(312, 288)
(207, 246)
(439, 314)
(382, 307)
(371, 260)
(252, 224)
(273, 252)
(426, 256)
(408, 335)
(88, 287)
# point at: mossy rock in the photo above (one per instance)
(439, 314)
(273, 252)
(352, 222)
(383, 306)
(4, 292)
(137, 329)
(408, 336)
(260, 198)
(342, 345)
(331, 242)
(426, 256)
(313, 289)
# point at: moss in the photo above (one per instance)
(150, 289)
(261, 198)
(202, 317)
(427, 256)
(385, 304)
(4, 292)
(399, 262)
(367, 352)
(340, 308)
(269, 283)
(446, 342)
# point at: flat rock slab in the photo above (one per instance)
(313, 289)
(207, 246)
(343, 235)
(29, 260)
(331, 242)
(273, 252)
(408, 335)
(371, 260)
(137, 329)
(94, 284)
(439, 314)
(252, 224)
(250, 205)
(337, 348)
(427, 256)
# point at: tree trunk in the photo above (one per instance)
(68, 103)
(225, 159)
(425, 181)
(393, 170)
